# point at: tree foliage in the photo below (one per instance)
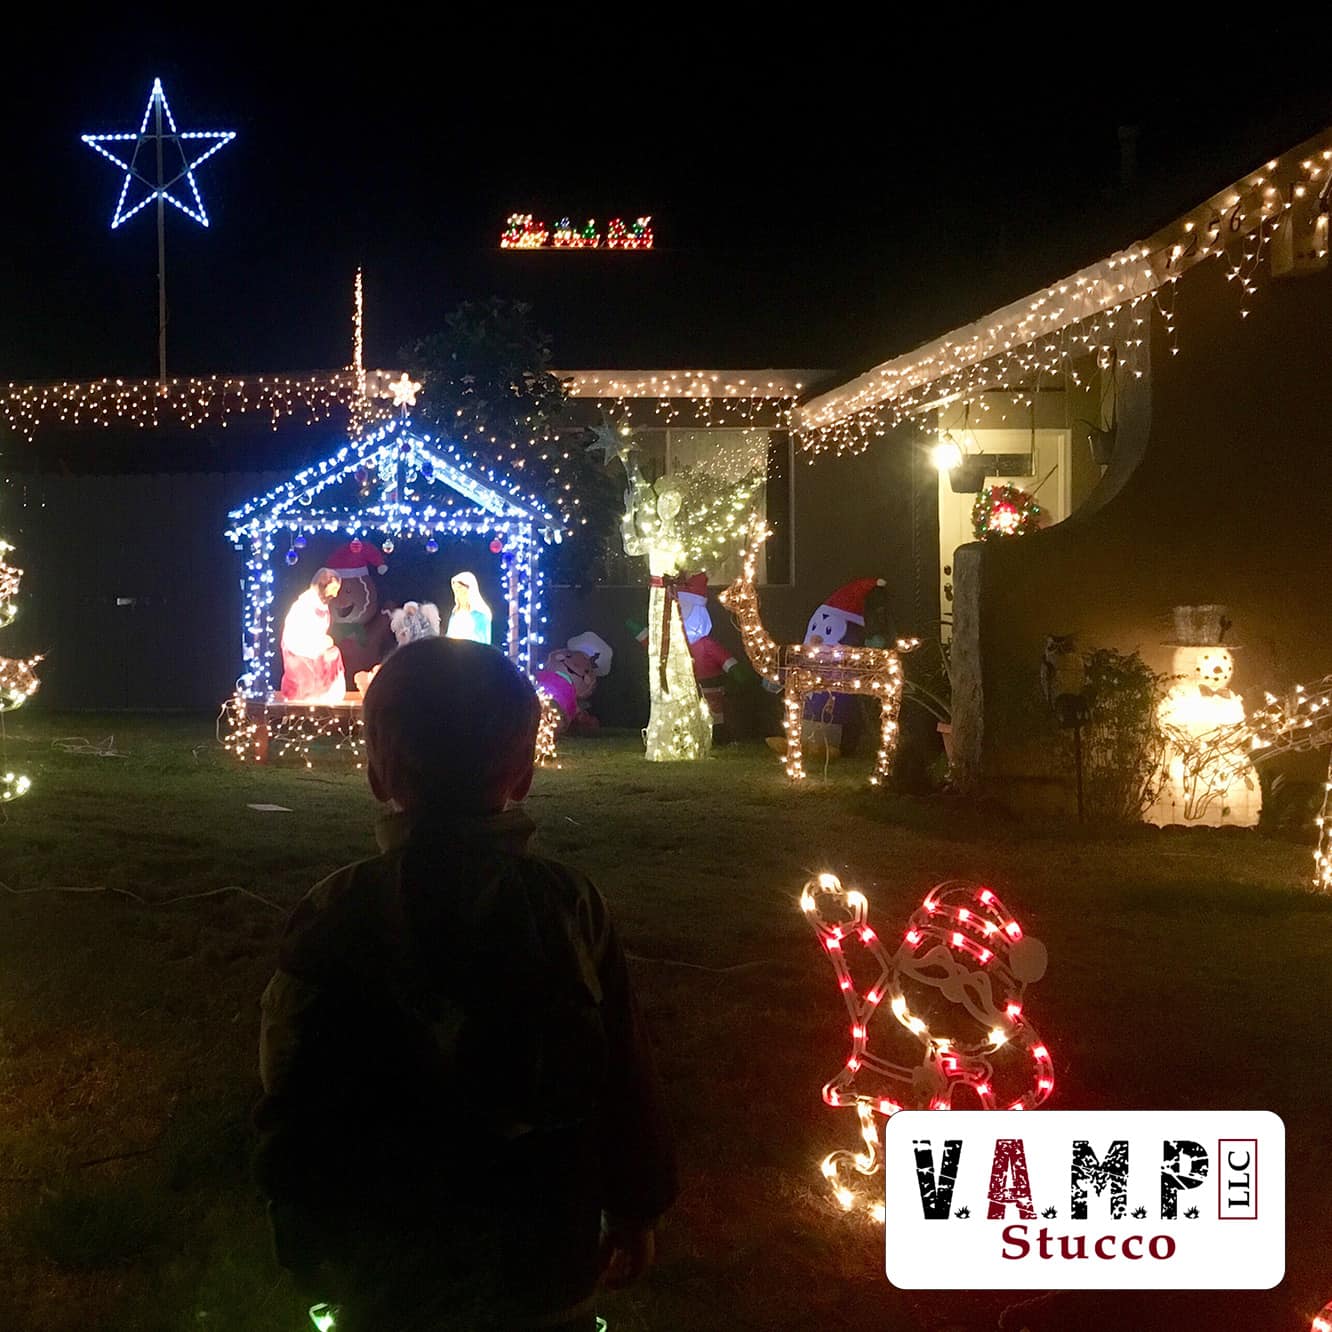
(487, 385)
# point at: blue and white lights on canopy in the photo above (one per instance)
(181, 152)
(410, 486)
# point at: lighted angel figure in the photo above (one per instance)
(954, 1035)
(679, 722)
(678, 524)
(312, 670)
(471, 618)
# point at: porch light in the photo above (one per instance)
(947, 454)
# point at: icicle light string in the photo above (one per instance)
(1101, 312)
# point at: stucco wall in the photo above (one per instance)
(1229, 501)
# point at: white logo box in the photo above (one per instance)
(1229, 1166)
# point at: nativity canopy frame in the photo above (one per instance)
(422, 487)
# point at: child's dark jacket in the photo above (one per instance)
(454, 1067)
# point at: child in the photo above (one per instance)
(460, 1126)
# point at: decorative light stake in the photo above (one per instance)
(18, 679)
(961, 946)
(175, 155)
(1302, 721)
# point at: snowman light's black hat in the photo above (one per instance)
(1201, 626)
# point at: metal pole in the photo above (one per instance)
(1077, 760)
(161, 252)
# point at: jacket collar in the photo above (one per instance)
(510, 831)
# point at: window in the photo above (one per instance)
(729, 452)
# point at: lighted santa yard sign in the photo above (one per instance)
(394, 485)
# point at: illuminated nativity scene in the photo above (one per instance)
(322, 609)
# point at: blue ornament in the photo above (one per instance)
(299, 543)
(293, 555)
(432, 546)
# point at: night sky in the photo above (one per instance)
(811, 208)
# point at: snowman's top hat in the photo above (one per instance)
(1201, 626)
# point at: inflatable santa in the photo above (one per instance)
(712, 662)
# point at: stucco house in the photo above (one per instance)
(1169, 408)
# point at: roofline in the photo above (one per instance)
(694, 384)
(249, 516)
(1130, 274)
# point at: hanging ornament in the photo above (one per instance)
(427, 470)
(300, 542)
(293, 555)
(386, 545)
(431, 545)
(496, 546)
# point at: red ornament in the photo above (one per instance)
(496, 546)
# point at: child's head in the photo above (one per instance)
(450, 723)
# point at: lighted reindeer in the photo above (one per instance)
(802, 669)
(1302, 720)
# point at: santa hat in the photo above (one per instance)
(693, 589)
(596, 648)
(849, 600)
(355, 560)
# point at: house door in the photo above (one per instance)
(1044, 470)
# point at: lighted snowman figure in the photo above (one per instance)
(1209, 779)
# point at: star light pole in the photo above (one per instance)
(159, 185)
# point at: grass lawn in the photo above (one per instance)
(1186, 970)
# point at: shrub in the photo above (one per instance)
(1123, 745)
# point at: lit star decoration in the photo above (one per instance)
(802, 669)
(18, 678)
(404, 391)
(609, 440)
(962, 946)
(185, 149)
